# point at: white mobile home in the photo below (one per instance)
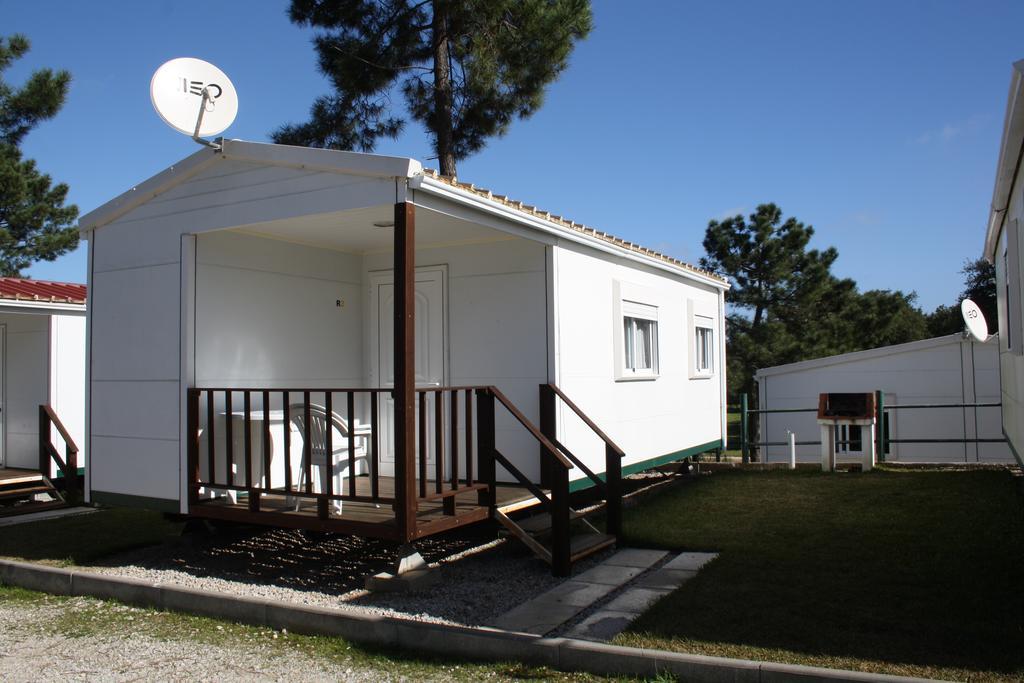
(1003, 239)
(42, 363)
(246, 295)
(944, 370)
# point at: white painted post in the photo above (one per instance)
(792, 450)
(827, 448)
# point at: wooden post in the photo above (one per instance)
(192, 422)
(613, 483)
(549, 429)
(405, 370)
(561, 535)
(744, 438)
(485, 447)
(44, 440)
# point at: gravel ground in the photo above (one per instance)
(29, 639)
(480, 577)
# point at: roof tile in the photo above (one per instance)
(22, 289)
(572, 225)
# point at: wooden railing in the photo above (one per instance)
(68, 465)
(241, 440)
(610, 485)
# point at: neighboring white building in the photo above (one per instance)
(943, 370)
(42, 362)
(266, 267)
(1003, 239)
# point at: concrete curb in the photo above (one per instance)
(465, 642)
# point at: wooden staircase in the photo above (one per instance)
(556, 532)
(535, 532)
(24, 491)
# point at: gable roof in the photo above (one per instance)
(42, 291)
(866, 354)
(375, 165)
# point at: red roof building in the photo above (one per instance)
(20, 289)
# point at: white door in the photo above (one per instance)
(431, 345)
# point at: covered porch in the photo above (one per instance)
(337, 385)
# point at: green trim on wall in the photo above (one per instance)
(586, 483)
(123, 500)
(60, 475)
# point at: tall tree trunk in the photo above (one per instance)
(442, 90)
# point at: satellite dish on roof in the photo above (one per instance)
(974, 319)
(194, 97)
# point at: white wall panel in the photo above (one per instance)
(267, 314)
(135, 324)
(646, 418)
(264, 195)
(137, 467)
(144, 409)
(67, 376)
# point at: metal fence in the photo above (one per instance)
(882, 439)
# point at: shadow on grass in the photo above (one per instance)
(905, 568)
(83, 539)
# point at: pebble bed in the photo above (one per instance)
(480, 577)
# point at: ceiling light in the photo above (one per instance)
(384, 224)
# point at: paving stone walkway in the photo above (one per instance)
(615, 581)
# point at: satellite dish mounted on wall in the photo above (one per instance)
(974, 319)
(194, 97)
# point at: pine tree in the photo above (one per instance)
(788, 306)
(35, 224)
(466, 68)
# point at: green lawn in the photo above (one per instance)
(83, 539)
(907, 572)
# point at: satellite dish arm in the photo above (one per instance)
(199, 121)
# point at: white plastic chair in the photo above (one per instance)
(339, 460)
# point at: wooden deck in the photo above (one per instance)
(10, 475)
(363, 518)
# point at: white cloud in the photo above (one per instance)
(951, 131)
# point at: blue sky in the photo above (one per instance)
(876, 122)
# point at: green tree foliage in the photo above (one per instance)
(788, 306)
(466, 68)
(35, 224)
(979, 287)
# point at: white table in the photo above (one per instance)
(276, 446)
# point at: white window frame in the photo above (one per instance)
(703, 314)
(703, 349)
(631, 306)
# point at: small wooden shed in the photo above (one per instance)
(349, 342)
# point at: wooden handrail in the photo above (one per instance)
(579, 463)
(64, 434)
(523, 479)
(586, 420)
(68, 465)
(551, 448)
